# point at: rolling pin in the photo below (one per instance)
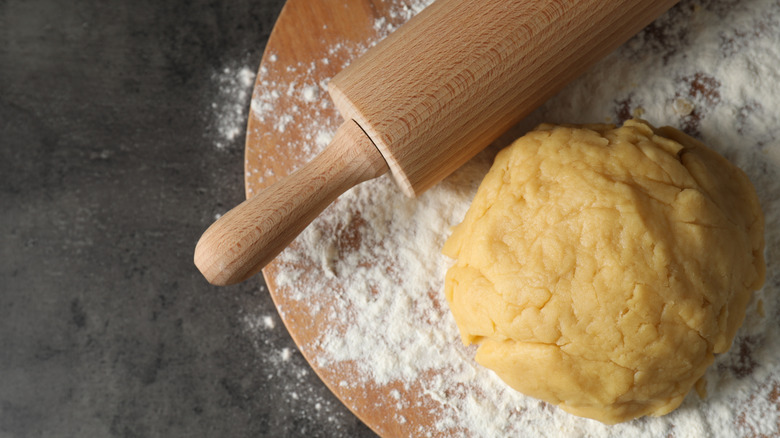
(421, 103)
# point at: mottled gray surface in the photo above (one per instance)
(108, 175)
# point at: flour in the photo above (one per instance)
(371, 264)
(255, 323)
(311, 93)
(229, 109)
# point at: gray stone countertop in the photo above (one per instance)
(112, 163)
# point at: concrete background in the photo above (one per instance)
(108, 175)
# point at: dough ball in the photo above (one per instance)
(601, 268)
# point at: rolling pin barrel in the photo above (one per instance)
(461, 73)
(424, 101)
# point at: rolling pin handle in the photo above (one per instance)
(241, 242)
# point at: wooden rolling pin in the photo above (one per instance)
(424, 101)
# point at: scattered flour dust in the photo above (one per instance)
(708, 67)
(229, 109)
(300, 396)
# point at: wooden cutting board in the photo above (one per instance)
(311, 42)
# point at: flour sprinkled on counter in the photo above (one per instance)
(229, 108)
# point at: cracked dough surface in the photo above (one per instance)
(600, 268)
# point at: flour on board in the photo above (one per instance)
(709, 68)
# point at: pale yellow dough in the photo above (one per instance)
(600, 268)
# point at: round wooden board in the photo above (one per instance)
(311, 42)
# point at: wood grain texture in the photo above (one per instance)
(250, 235)
(455, 77)
(430, 97)
(306, 33)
